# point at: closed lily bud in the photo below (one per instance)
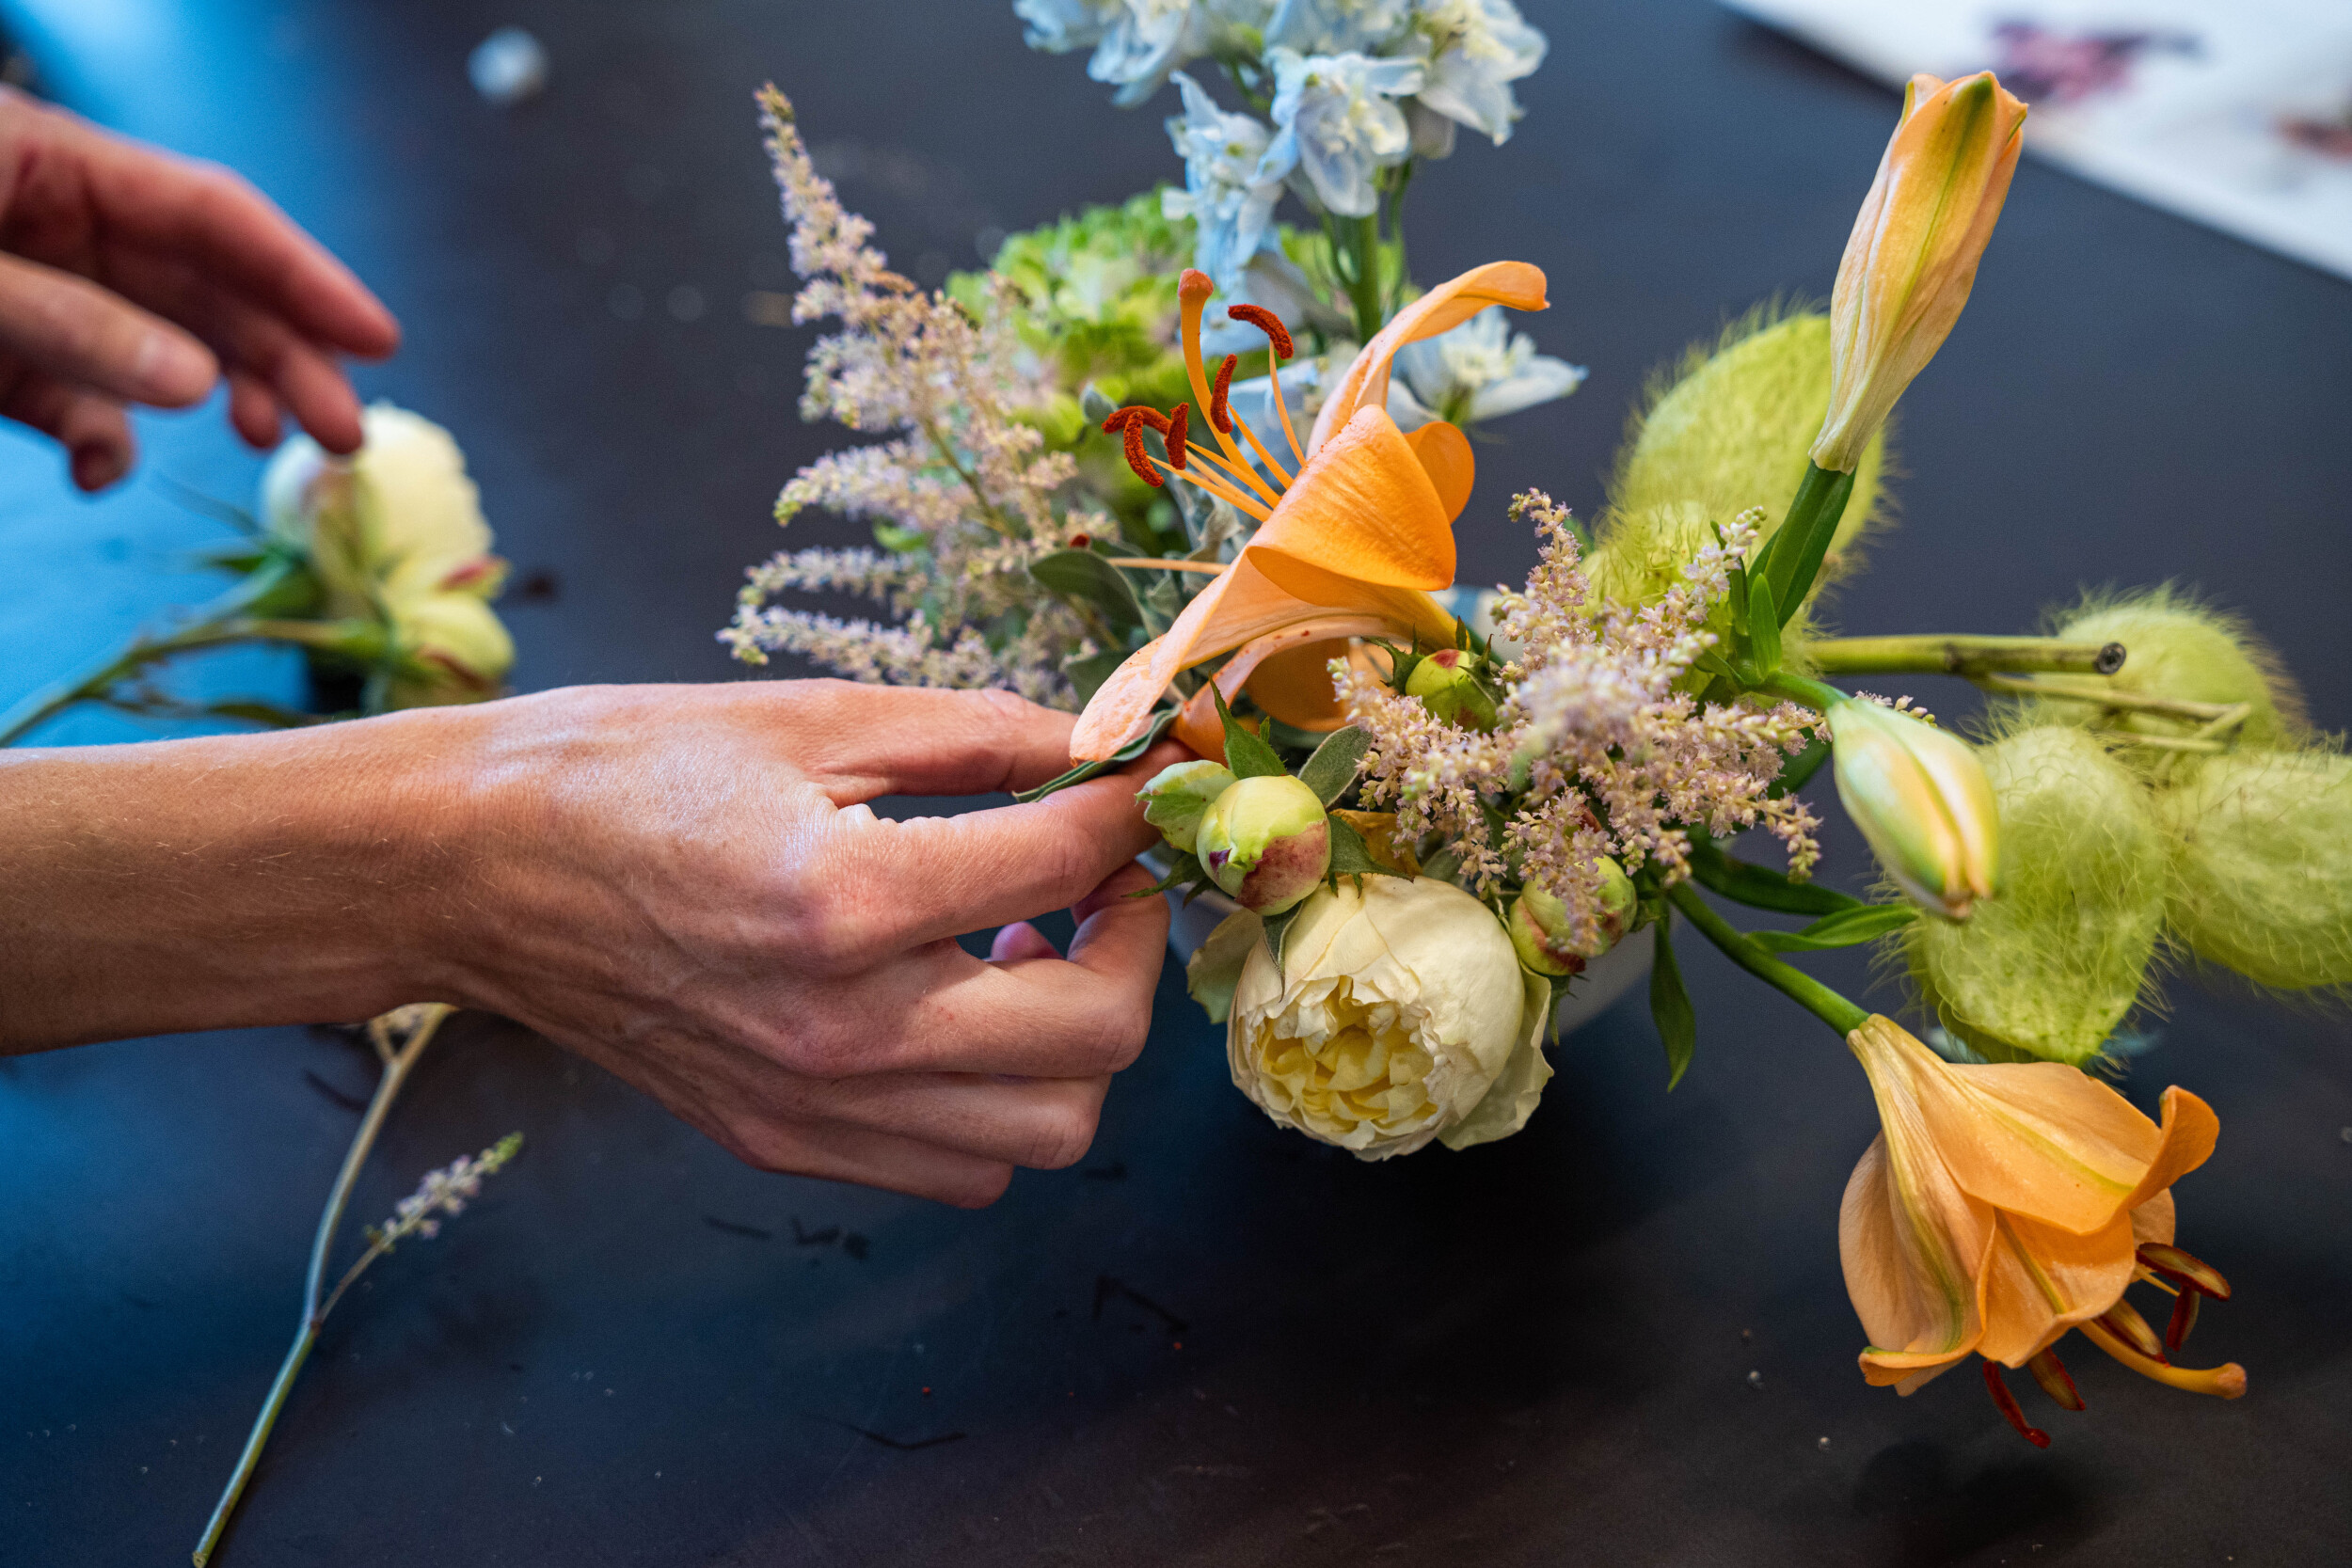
(1549, 938)
(1921, 797)
(1266, 842)
(1912, 258)
(1447, 684)
(1179, 795)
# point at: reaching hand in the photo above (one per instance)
(128, 274)
(684, 884)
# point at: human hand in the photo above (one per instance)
(129, 275)
(686, 885)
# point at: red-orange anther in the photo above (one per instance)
(2049, 1371)
(1267, 321)
(1135, 413)
(1137, 459)
(1174, 433)
(1220, 411)
(2006, 1403)
(2182, 1269)
(2124, 1321)
(2183, 1318)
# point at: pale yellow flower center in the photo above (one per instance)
(1360, 1075)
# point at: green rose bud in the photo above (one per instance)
(1546, 936)
(1177, 797)
(1447, 684)
(1266, 842)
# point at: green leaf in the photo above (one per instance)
(1670, 1005)
(1351, 855)
(1737, 579)
(1715, 664)
(1161, 604)
(1245, 755)
(1798, 770)
(1763, 627)
(1333, 767)
(1088, 674)
(1083, 576)
(1084, 770)
(1183, 871)
(1846, 928)
(1761, 887)
(1278, 930)
(1214, 971)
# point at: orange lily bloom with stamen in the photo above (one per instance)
(1352, 537)
(2006, 1204)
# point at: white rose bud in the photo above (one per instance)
(400, 518)
(1400, 1015)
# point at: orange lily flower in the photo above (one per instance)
(2002, 1205)
(1348, 547)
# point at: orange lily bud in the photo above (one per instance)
(1912, 258)
(1921, 797)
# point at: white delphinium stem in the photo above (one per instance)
(443, 1192)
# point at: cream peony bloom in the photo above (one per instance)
(1400, 1015)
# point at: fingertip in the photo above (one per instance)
(253, 412)
(173, 369)
(1018, 941)
(98, 464)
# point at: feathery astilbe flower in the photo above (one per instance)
(1617, 761)
(959, 488)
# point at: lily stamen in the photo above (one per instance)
(1220, 394)
(2124, 1321)
(2006, 1403)
(2183, 1318)
(1278, 343)
(2049, 1371)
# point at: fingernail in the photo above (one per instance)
(171, 370)
(96, 466)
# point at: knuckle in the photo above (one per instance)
(820, 1048)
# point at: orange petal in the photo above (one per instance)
(2038, 1139)
(1914, 1249)
(1295, 685)
(2041, 1281)
(2154, 1220)
(1365, 507)
(1442, 308)
(1239, 608)
(2185, 1141)
(1446, 458)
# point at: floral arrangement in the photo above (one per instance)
(1194, 474)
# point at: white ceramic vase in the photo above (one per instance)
(1604, 981)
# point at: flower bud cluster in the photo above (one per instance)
(1265, 841)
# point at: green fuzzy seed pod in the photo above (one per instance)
(2177, 648)
(2050, 966)
(1727, 430)
(2263, 865)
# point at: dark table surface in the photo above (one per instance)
(1620, 1337)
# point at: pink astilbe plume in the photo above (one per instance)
(1613, 759)
(960, 487)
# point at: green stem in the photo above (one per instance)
(397, 1065)
(214, 625)
(1792, 982)
(1363, 288)
(1816, 695)
(1402, 176)
(1793, 558)
(1962, 656)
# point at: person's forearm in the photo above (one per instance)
(231, 880)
